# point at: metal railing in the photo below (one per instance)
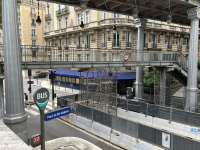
(128, 44)
(116, 44)
(47, 16)
(33, 24)
(59, 47)
(58, 12)
(145, 45)
(61, 11)
(116, 21)
(33, 3)
(131, 128)
(169, 46)
(33, 14)
(179, 47)
(78, 46)
(104, 44)
(154, 45)
(187, 47)
(66, 48)
(33, 35)
(87, 46)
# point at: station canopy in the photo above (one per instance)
(149, 9)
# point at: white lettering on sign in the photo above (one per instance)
(42, 95)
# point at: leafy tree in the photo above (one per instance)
(18, 2)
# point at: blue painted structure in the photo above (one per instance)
(67, 77)
(56, 114)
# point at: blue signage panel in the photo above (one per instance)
(57, 114)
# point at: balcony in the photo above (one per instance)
(62, 11)
(187, 47)
(33, 37)
(48, 17)
(59, 47)
(77, 8)
(118, 21)
(104, 44)
(87, 46)
(179, 47)
(33, 24)
(116, 44)
(154, 45)
(169, 46)
(33, 3)
(32, 14)
(66, 48)
(128, 44)
(78, 46)
(145, 45)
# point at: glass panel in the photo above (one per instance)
(70, 80)
(77, 80)
(73, 80)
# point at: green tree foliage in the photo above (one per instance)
(18, 2)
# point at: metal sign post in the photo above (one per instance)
(71, 85)
(41, 98)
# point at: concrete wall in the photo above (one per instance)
(115, 137)
(175, 127)
(9, 140)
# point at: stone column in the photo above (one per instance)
(1, 98)
(15, 117)
(191, 89)
(140, 24)
(162, 85)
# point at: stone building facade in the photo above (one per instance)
(62, 30)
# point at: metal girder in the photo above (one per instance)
(115, 6)
(105, 1)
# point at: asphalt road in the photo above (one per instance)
(57, 128)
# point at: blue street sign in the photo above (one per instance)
(57, 114)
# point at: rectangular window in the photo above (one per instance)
(87, 56)
(66, 42)
(49, 43)
(115, 15)
(63, 79)
(104, 57)
(59, 7)
(67, 79)
(116, 39)
(103, 39)
(67, 58)
(169, 41)
(79, 57)
(77, 80)
(49, 57)
(33, 11)
(179, 42)
(104, 15)
(31, 2)
(128, 37)
(87, 41)
(79, 41)
(48, 11)
(33, 32)
(187, 42)
(33, 21)
(154, 39)
(59, 78)
(33, 43)
(60, 56)
(145, 38)
(66, 22)
(33, 53)
(87, 17)
(128, 17)
(59, 24)
(70, 80)
(60, 42)
(73, 80)
(78, 19)
(48, 27)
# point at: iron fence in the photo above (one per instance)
(169, 113)
(139, 131)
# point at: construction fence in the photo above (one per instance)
(161, 138)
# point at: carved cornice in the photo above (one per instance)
(194, 13)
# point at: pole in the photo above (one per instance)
(42, 130)
(30, 87)
(52, 94)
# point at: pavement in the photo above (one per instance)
(56, 128)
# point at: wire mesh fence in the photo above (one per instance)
(161, 138)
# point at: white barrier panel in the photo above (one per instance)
(83, 122)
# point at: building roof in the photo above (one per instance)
(121, 76)
(150, 9)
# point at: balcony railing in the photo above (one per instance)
(33, 24)
(104, 44)
(145, 45)
(33, 14)
(116, 21)
(87, 45)
(128, 44)
(66, 48)
(48, 16)
(59, 47)
(61, 11)
(78, 46)
(154, 45)
(33, 35)
(58, 12)
(169, 46)
(116, 44)
(187, 47)
(179, 47)
(32, 3)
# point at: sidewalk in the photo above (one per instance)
(68, 143)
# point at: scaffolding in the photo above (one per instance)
(99, 92)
